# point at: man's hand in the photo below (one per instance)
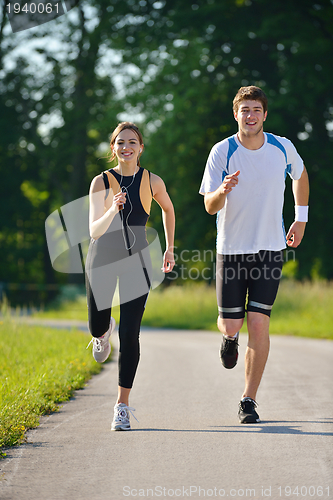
(229, 182)
(295, 234)
(215, 201)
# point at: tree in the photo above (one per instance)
(55, 103)
(174, 67)
(202, 54)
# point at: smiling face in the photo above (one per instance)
(250, 116)
(127, 147)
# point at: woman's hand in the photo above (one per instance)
(119, 201)
(99, 219)
(168, 261)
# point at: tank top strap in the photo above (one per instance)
(106, 184)
(142, 181)
(151, 189)
(113, 182)
(146, 195)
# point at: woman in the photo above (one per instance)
(120, 201)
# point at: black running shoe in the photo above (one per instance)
(229, 352)
(247, 413)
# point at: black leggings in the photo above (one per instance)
(102, 276)
(129, 332)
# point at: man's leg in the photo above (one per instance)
(231, 293)
(229, 327)
(229, 346)
(263, 286)
(256, 353)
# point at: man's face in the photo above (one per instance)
(250, 117)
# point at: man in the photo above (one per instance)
(244, 184)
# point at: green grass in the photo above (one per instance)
(39, 368)
(303, 309)
(68, 309)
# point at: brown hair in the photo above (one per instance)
(120, 127)
(250, 93)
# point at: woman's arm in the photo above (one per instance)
(99, 219)
(168, 215)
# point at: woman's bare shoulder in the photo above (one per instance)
(156, 180)
(97, 184)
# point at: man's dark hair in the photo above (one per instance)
(250, 93)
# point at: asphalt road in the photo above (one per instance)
(188, 442)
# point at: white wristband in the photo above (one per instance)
(301, 213)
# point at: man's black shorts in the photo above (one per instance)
(255, 276)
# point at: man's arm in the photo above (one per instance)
(301, 197)
(215, 201)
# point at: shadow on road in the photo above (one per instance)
(266, 427)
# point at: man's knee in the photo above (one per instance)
(229, 326)
(258, 324)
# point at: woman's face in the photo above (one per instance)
(127, 146)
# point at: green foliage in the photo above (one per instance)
(174, 67)
(51, 99)
(301, 308)
(39, 368)
(207, 51)
(189, 307)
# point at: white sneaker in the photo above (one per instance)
(121, 417)
(101, 345)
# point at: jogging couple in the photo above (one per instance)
(243, 183)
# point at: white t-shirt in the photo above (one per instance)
(251, 219)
